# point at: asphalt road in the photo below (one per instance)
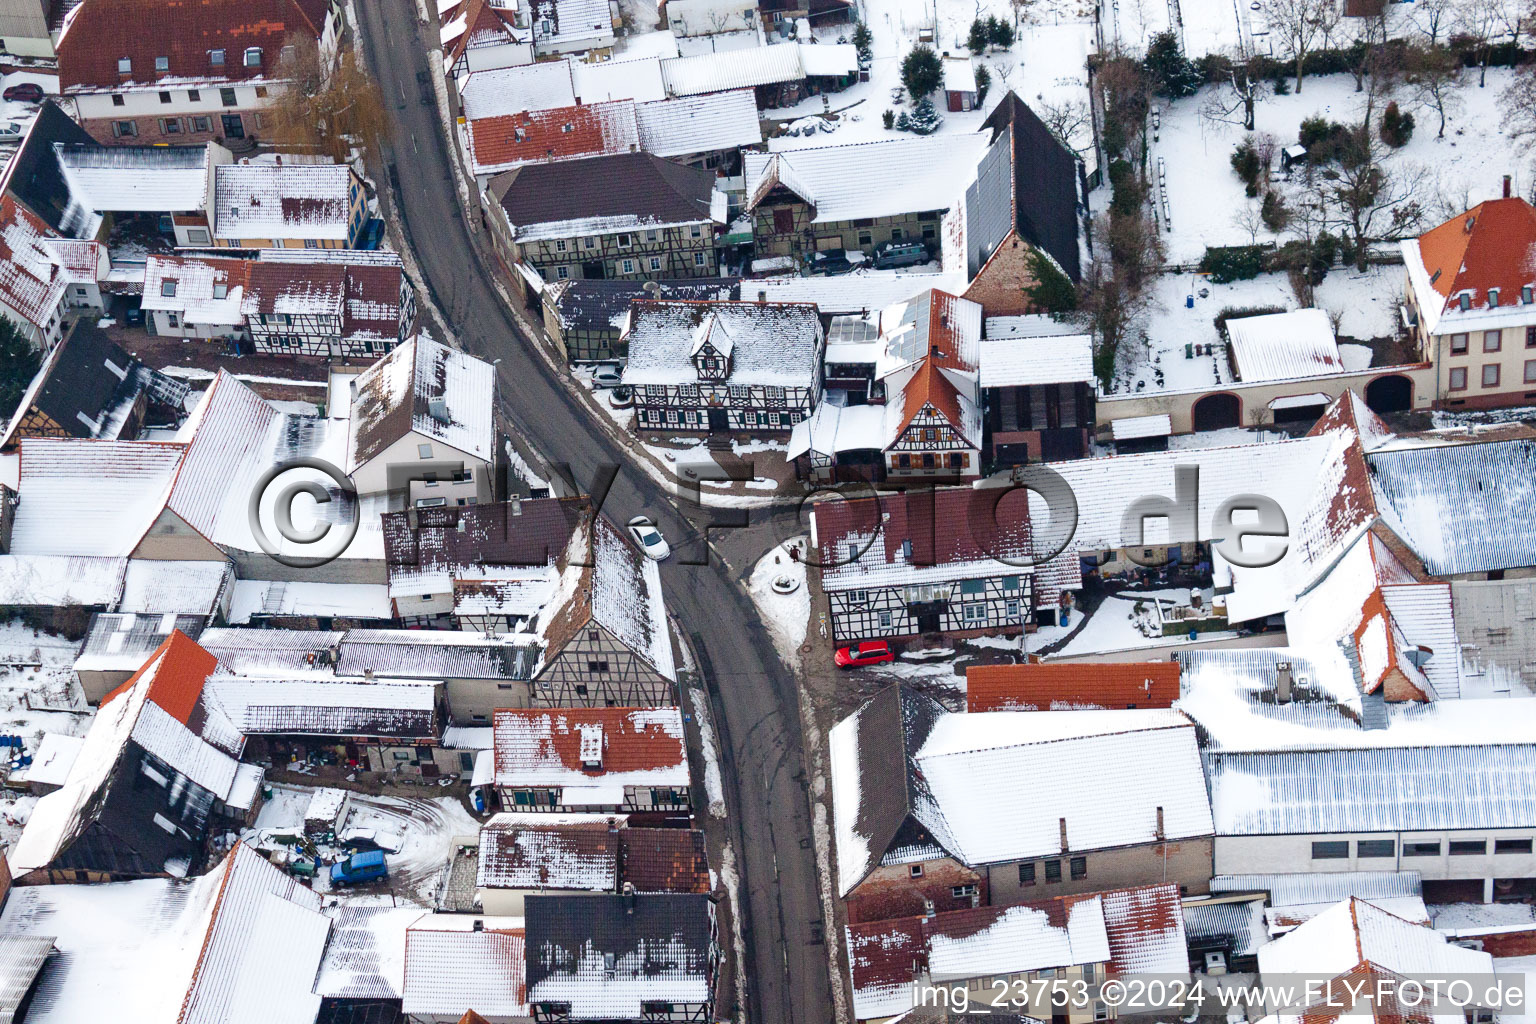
(756, 698)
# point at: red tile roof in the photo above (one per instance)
(633, 739)
(945, 526)
(177, 671)
(1492, 245)
(928, 385)
(1042, 687)
(30, 279)
(663, 859)
(101, 32)
(549, 136)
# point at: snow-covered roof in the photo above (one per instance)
(275, 201)
(1283, 346)
(828, 60)
(1392, 789)
(733, 69)
(558, 134)
(56, 580)
(327, 707)
(538, 86)
(51, 760)
(1491, 247)
(1016, 362)
(597, 82)
(959, 75)
(365, 958)
(452, 968)
(831, 429)
(156, 586)
(1461, 508)
(138, 179)
(32, 281)
(514, 856)
(90, 497)
(1130, 428)
(870, 179)
(1354, 932)
(426, 387)
(852, 293)
(958, 770)
(699, 124)
(627, 599)
(636, 747)
(766, 343)
(260, 598)
(239, 945)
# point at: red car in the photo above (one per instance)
(870, 652)
(26, 92)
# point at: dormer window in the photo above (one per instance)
(1525, 294)
(220, 289)
(1493, 298)
(1466, 301)
(162, 65)
(168, 288)
(253, 57)
(124, 65)
(216, 58)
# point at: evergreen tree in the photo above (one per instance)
(976, 41)
(999, 32)
(19, 363)
(921, 72)
(1050, 291)
(925, 119)
(1172, 74)
(983, 83)
(903, 122)
(863, 44)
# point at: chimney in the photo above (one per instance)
(1283, 682)
(762, 296)
(1063, 835)
(1161, 832)
(478, 925)
(1506, 186)
(927, 909)
(629, 898)
(1493, 298)
(368, 673)
(517, 505)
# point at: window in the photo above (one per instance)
(1511, 846)
(695, 231)
(1330, 850)
(1100, 1011)
(424, 451)
(915, 870)
(165, 97)
(220, 290)
(124, 66)
(171, 320)
(125, 128)
(962, 892)
(194, 95)
(162, 65)
(1530, 337)
(957, 460)
(559, 245)
(1458, 379)
(589, 243)
(1458, 344)
(253, 56)
(975, 613)
(1079, 867)
(866, 239)
(202, 124)
(216, 58)
(1011, 609)
(885, 620)
(655, 262)
(895, 234)
(168, 288)
(597, 666)
(227, 97)
(1530, 371)
(1053, 871)
(561, 273)
(1421, 849)
(1492, 340)
(1490, 375)
(1376, 848)
(698, 259)
(623, 240)
(1469, 847)
(1026, 874)
(627, 266)
(117, 100)
(170, 126)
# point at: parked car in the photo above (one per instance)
(607, 376)
(835, 262)
(900, 254)
(133, 316)
(359, 868)
(644, 531)
(870, 652)
(26, 92)
(11, 131)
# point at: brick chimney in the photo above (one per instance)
(1063, 835)
(1161, 832)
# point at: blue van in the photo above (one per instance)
(359, 868)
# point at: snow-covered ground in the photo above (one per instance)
(429, 825)
(1206, 202)
(1116, 625)
(698, 704)
(1365, 303)
(786, 615)
(38, 694)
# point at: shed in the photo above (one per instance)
(1141, 433)
(327, 812)
(959, 84)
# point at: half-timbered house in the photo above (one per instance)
(586, 318)
(955, 560)
(621, 957)
(289, 302)
(630, 760)
(631, 215)
(752, 367)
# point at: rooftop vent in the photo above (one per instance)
(1467, 227)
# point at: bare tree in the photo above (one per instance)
(1484, 22)
(1434, 17)
(1366, 199)
(1109, 308)
(1249, 220)
(1434, 75)
(1520, 106)
(1300, 24)
(1023, 13)
(1004, 69)
(329, 107)
(1242, 86)
(1067, 121)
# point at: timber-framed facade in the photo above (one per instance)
(596, 669)
(994, 604)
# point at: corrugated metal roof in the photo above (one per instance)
(1461, 508)
(1284, 346)
(1319, 887)
(1398, 789)
(1241, 924)
(21, 957)
(733, 69)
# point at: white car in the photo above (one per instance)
(649, 538)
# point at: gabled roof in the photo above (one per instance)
(1045, 183)
(396, 396)
(477, 23)
(90, 497)
(35, 178)
(595, 304)
(516, 856)
(767, 343)
(607, 193)
(660, 947)
(32, 278)
(149, 179)
(1354, 933)
(699, 124)
(451, 967)
(276, 201)
(633, 747)
(950, 761)
(1284, 346)
(937, 335)
(83, 386)
(102, 31)
(1492, 245)
(555, 135)
(1064, 687)
(521, 89)
(663, 860)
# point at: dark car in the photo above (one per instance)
(26, 92)
(133, 316)
(832, 263)
(870, 652)
(900, 254)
